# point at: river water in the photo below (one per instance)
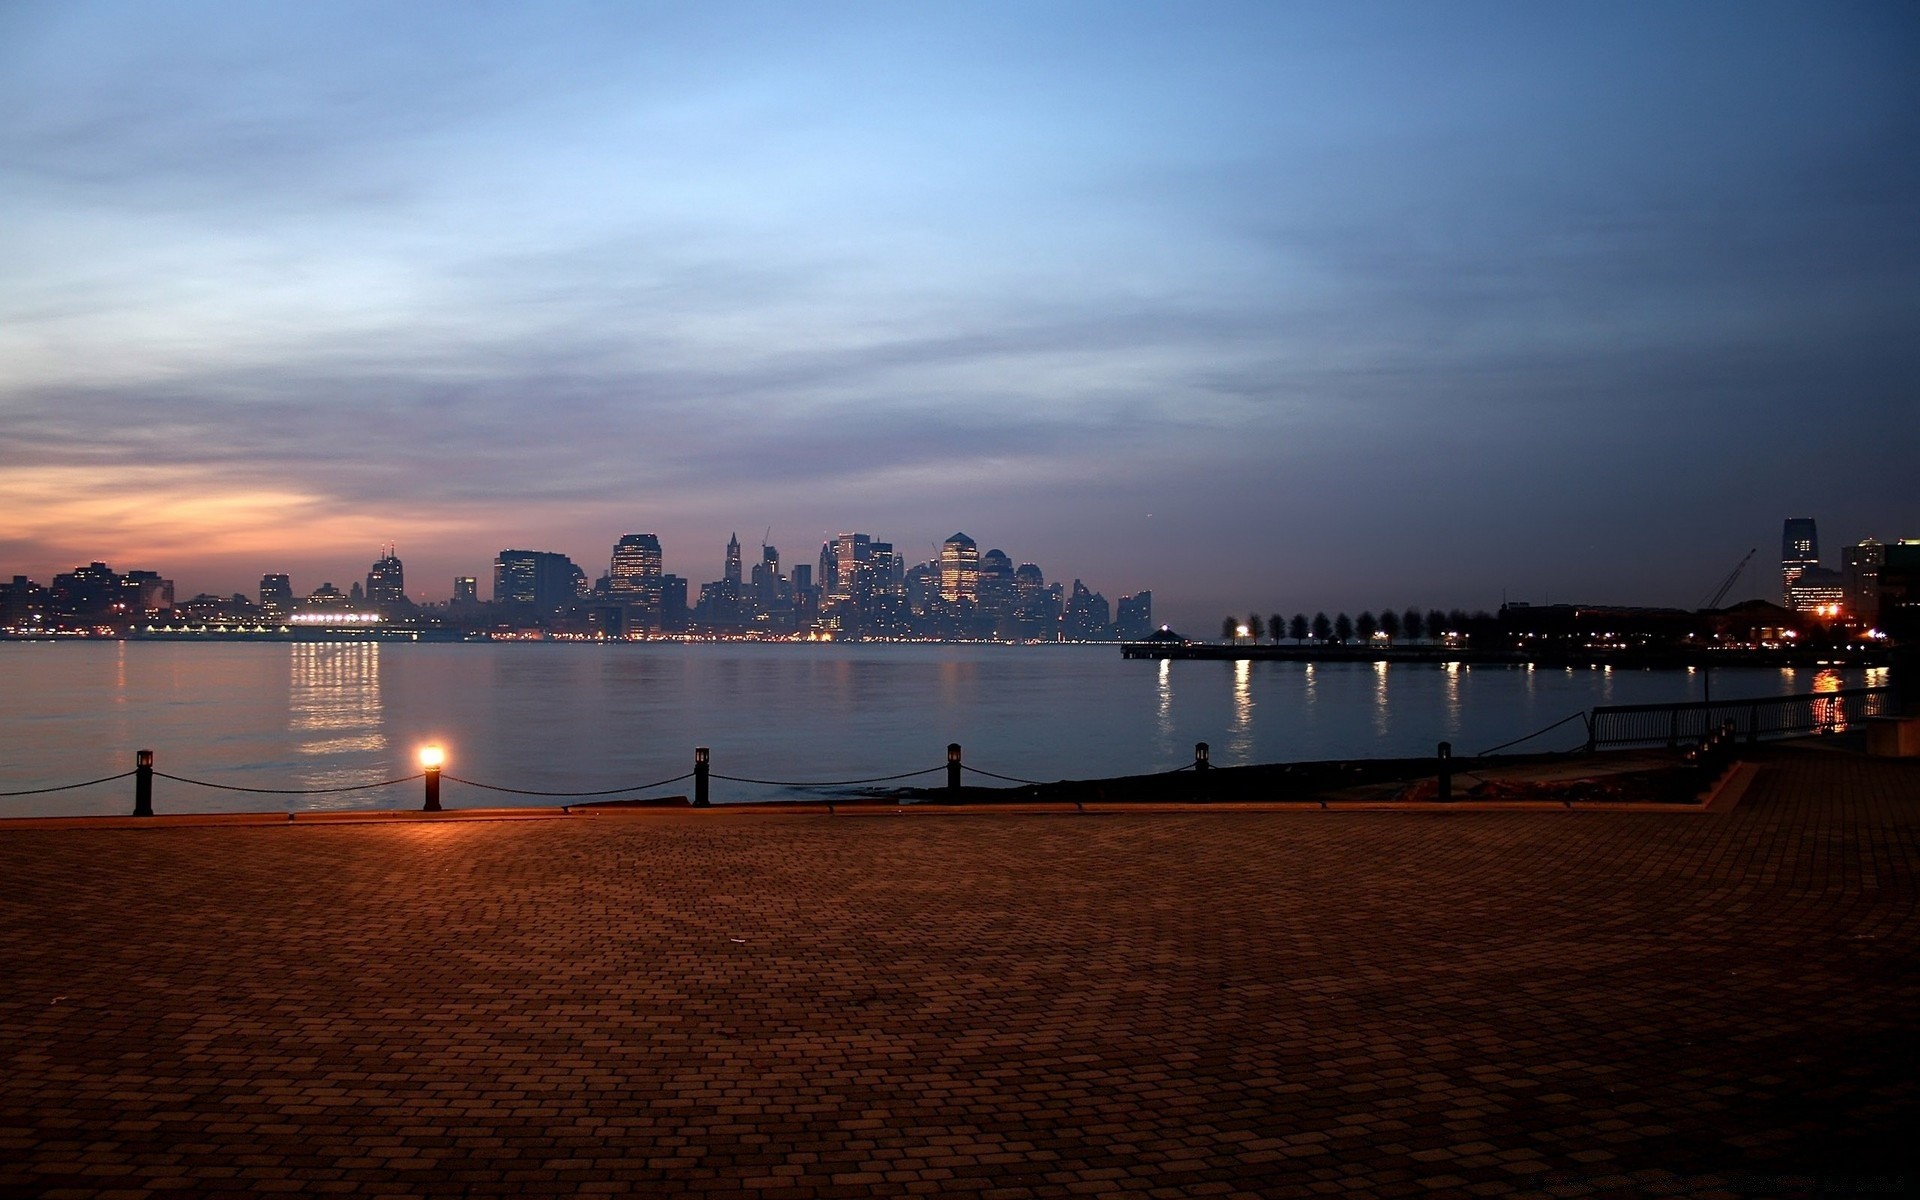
(581, 717)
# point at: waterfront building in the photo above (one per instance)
(23, 606)
(1860, 579)
(386, 583)
(537, 579)
(1086, 616)
(1799, 553)
(1133, 620)
(89, 593)
(959, 570)
(852, 569)
(146, 594)
(466, 591)
(276, 595)
(1900, 591)
(635, 569)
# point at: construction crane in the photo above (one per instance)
(1726, 585)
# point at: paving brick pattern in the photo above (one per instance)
(1005, 1005)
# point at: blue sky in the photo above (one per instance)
(1262, 306)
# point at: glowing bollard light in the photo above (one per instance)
(432, 758)
(953, 768)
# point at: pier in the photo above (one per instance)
(1169, 1002)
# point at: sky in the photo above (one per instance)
(1263, 307)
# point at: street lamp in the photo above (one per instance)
(432, 758)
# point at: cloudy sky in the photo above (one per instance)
(1265, 306)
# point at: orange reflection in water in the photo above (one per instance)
(1829, 716)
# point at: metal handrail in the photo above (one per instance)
(1752, 719)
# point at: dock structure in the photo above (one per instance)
(1017, 1003)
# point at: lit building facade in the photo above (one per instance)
(959, 570)
(1799, 553)
(276, 595)
(635, 570)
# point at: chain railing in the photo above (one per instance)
(144, 773)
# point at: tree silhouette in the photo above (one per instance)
(1255, 629)
(1366, 626)
(1343, 628)
(1322, 628)
(1230, 629)
(1276, 627)
(1436, 624)
(1297, 628)
(1414, 624)
(1390, 623)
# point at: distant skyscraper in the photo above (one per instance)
(959, 569)
(276, 594)
(386, 581)
(733, 561)
(852, 568)
(635, 570)
(1133, 621)
(540, 578)
(1799, 551)
(1860, 576)
(1085, 619)
(466, 591)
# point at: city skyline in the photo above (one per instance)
(1244, 304)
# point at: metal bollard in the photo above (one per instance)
(143, 783)
(1200, 753)
(953, 767)
(1446, 771)
(700, 799)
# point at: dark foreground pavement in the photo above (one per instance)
(1176, 1004)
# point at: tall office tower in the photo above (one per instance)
(1133, 621)
(887, 568)
(466, 591)
(829, 572)
(386, 581)
(276, 594)
(852, 568)
(959, 569)
(634, 573)
(733, 560)
(1799, 551)
(1860, 579)
(538, 577)
(766, 578)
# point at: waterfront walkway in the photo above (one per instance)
(1007, 1004)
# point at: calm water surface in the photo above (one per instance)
(575, 717)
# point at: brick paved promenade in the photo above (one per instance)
(1173, 1004)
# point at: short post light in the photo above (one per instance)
(700, 797)
(432, 758)
(1202, 757)
(143, 783)
(1446, 771)
(953, 768)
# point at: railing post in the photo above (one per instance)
(1446, 771)
(700, 798)
(143, 783)
(953, 767)
(433, 790)
(1201, 757)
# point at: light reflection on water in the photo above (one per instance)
(567, 717)
(1240, 743)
